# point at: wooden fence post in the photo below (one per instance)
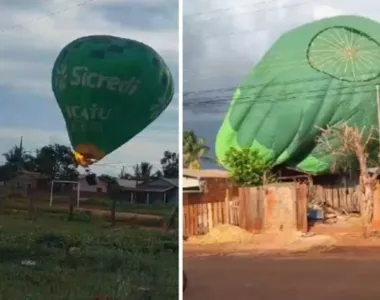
(301, 207)
(227, 202)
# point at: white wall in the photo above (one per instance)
(85, 187)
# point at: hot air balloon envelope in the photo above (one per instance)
(317, 75)
(109, 89)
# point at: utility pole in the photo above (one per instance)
(19, 162)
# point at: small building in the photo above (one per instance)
(153, 191)
(100, 188)
(202, 182)
(24, 179)
(204, 196)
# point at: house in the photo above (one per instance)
(199, 181)
(27, 180)
(153, 191)
(204, 195)
(84, 188)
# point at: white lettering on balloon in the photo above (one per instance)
(76, 112)
(82, 76)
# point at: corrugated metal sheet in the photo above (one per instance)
(190, 183)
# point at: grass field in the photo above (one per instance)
(83, 259)
(126, 213)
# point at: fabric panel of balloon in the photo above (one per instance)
(109, 89)
(320, 74)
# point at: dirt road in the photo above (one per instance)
(103, 212)
(347, 276)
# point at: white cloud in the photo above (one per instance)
(28, 51)
(29, 44)
(326, 11)
(223, 40)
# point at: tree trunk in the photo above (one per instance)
(366, 203)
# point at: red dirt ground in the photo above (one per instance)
(350, 271)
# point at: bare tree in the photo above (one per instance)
(344, 141)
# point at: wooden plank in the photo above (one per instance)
(242, 207)
(220, 212)
(226, 206)
(205, 219)
(187, 220)
(301, 207)
(209, 216)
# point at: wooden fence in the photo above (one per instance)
(253, 209)
(337, 196)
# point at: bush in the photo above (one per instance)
(248, 168)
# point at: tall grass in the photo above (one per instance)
(83, 260)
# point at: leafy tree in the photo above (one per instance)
(123, 174)
(20, 158)
(57, 161)
(157, 175)
(194, 150)
(108, 178)
(170, 164)
(247, 168)
(7, 172)
(143, 170)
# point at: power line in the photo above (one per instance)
(274, 84)
(267, 99)
(226, 9)
(51, 14)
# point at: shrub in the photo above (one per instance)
(248, 168)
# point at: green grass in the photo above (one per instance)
(105, 204)
(151, 209)
(82, 260)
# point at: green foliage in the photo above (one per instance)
(170, 164)
(120, 264)
(194, 150)
(143, 170)
(247, 168)
(55, 161)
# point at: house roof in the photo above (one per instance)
(83, 177)
(205, 173)
(190, 183)
(172, 181)
(128, 183)
(35, 175)
(144, 186)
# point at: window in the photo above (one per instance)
(99, 190)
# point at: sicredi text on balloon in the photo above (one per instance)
(82, 76)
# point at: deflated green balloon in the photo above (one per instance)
(320, 74)
(109, 89)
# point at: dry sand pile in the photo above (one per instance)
(223, 234)
(304, 244)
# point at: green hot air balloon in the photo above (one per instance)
(320, 74)
(109, 89)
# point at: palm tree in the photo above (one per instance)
(143, 170)
(194, 150)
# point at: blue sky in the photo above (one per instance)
(223, 40)
(28, 51)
